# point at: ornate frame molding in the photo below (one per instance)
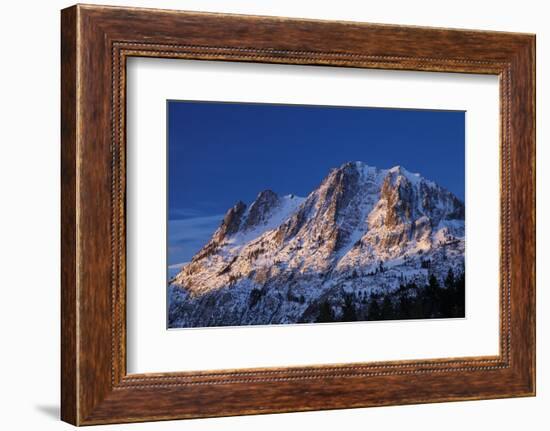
(96, 41)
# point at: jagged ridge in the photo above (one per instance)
(363, 230)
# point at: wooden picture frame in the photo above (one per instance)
(95, 43)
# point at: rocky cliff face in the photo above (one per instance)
(364, 230)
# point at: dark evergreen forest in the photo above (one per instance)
(410, 301)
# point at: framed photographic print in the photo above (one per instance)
(268, 215)
(354, 243)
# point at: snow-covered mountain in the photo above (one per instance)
(363, 231)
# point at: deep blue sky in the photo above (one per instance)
(219, 153)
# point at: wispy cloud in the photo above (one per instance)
(177, 265)
(184, 213)
(202, 208)
(187, 236)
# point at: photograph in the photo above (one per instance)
(276, 209)
(289, 214)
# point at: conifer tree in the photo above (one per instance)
(450, 279)
(349, 312)
(325, 313)
(387, 309)
(373, 310)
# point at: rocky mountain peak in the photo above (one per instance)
(339, 189)
(231, 221)
(262, 208)
(363, 227)
(398, 194)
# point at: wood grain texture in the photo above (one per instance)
(69, 397)
(96, 41)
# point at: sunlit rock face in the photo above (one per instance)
(362, 230)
